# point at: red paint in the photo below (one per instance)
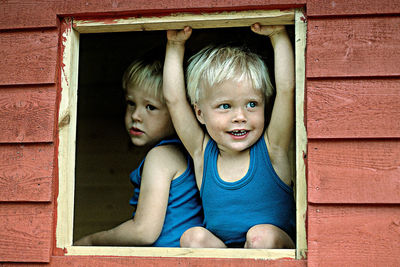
(28, 57)
(26, 233)
(26, 172)
(27, 114)
(354, 171)
(353, 235)
(353, 47)
(75, 261)
(344, 7)
(362, 169)
(353, 108)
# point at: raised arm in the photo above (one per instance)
(280, 128)
(183, 118)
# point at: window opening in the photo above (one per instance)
(96, 196)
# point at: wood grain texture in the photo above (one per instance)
(26, 172)
(352, 7)
(354, 171)
(25, 232)
(75, 261)
(353, 235)
(359, 46)
(361, 108)
(43, 13)
(28, 57)
(195, 21)
(28, 14)
(155, 6)
(27, 114)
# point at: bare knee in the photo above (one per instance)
(268, 236)
(193, 237)
(199, 237)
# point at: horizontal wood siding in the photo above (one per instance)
(28, 14)
(354, 171)
(351, 7)
(28, 57)
(29, 92)
(27, 114)
(42, 13)
(26, 172)
(25, 232)
(353, 127)
(353, 108)
(353, 235)
(358, 46)
(75, 261)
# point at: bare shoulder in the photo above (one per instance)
(170, 158)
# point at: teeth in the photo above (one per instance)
(239, 133)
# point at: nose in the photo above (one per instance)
(239, 116)
(136, 115)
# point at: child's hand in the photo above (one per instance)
(267, 30)
(179, 36)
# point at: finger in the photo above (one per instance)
(256, 27)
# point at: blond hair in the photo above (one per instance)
(214, 65)
(146, 74)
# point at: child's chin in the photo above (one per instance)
(138, 142)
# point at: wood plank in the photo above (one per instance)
(300, 136)
(72, 261)
(354, 171)
(353, 7)
(359, 46)
(353, 235)
(138, 7)
(353, 108)
(28, 14)
(178, 21)
(232, 253)
(28, 57)
(42, 13)
(25, 232)
(27, 114)
(26, 172)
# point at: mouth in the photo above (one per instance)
(239, 133)
(135, 131)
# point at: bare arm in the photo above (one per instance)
(185, 122)
(280, 128)
(159, 169)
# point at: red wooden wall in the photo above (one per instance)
(352, 119)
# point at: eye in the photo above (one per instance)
(251, 104)
(130, 103)
(224, 106)
(150, 107)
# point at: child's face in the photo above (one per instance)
(233, 113)
(147, 119)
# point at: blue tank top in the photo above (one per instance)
(260, 197)
(184, 205)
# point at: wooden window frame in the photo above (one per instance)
(67, 122)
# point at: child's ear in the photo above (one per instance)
(199, 113)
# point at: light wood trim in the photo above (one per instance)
(178, 21)
(67, 135)
(301, 135)
(183, 252)
(67, 128)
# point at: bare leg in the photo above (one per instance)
(199, 237)
(268, 236)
